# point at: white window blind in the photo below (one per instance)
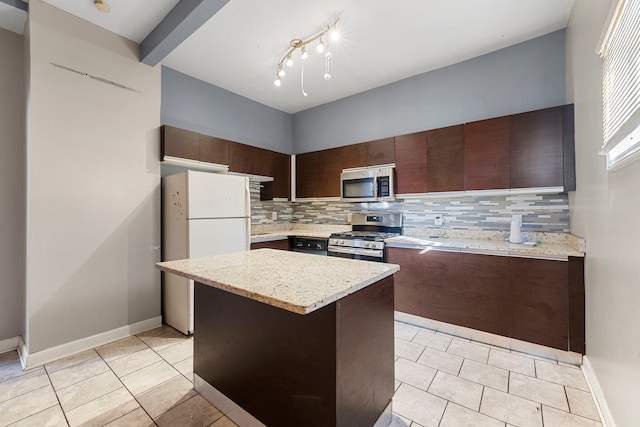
(620, 50)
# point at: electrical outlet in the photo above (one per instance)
(274, 215)
(438, 220)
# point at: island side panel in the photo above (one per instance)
(277, 365)
(365, 354)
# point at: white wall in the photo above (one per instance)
(93, 211)
(11, 184)
(604, 210)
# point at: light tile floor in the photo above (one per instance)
(441, 381)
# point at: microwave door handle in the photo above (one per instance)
(376, 194)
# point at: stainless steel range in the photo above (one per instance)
(366, 239)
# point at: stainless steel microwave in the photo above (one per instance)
(374, 184)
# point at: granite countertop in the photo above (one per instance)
(560, 246)
(293, 281)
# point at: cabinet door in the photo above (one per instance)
(411, 163)
(487, 154)
(539, 301)
(214, 150)
(408, 281)
(354, 156)
(445, 159)
(281, 175)
(380, 152)
(536, 148)
(484, 293)
(250, 160)
(329, 167)
(306, 174)
(180, 143)
(282, 245)
(427, 283)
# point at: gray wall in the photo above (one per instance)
(93, 216)
(192, 104)
(604, 210)
(11, 184)
(523, 77)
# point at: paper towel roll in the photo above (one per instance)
(515, 236)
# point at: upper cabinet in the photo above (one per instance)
(214, 150)
(380, 152)
(354, 156)
(445, 159)
(250, 160)
(240, 158)
(536, 148)
(486, 145)
(181, 143)
(411, 163)
(318, 173)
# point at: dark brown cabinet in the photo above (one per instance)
(318, 173)
(539, 301)
(536, 148)
(486, 158)
(354, 156)
(306, 174)
(484, 292)
(445, 159)
(250, 160)
(427, 284)
(214, 150)
(181, 143)
(329, 166)
(530, 299)
(380, 152)
(282, 244)
(281, 175)
(411, 163)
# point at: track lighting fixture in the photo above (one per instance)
(330, 34)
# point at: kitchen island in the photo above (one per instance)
(289, 339)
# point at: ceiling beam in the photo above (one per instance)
(17, 3)
(183, 20)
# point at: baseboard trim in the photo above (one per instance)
(9, 344)
(492, 339)
(597, 393)
(32, 360)
(230, 408)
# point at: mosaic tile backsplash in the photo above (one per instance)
(545, 213)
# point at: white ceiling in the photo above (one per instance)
(383, 41)
(12, 18)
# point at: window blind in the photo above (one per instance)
(620, 50)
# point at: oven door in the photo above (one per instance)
(356, 253)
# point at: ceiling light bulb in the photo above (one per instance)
(304, 55)
(289, 61)
(281, 72)
(320, 47)
(335, 35)
(327, 76)
(277, 82)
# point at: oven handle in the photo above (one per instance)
(352, 251)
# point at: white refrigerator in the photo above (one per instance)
(202, 214)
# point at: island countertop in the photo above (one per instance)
(294, 281)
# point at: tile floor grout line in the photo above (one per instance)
(566, 396)
(128, 391)
(443, 412)
(64, 413)
(29, 416)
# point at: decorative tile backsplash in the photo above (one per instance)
(546, 213)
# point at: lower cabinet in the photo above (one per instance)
(530, 299)
(273, 244)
